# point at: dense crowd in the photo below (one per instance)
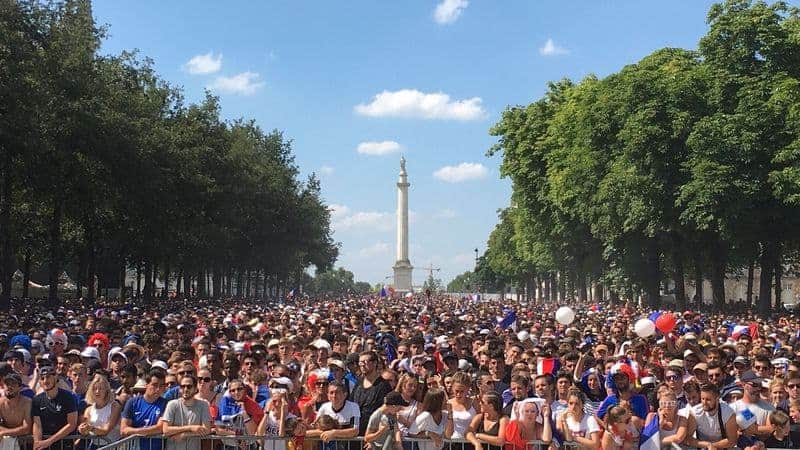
(400, 373)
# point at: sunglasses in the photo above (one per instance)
(185, 372)
(204, 379)
(672, 377)
(321, 383)
(792, 386)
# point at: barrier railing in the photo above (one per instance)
(243, 442)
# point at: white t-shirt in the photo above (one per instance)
(760, 410)
(348, 416)
(585, 428)
(708, 422)
(424, 422)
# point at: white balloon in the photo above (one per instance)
(523, 335)
(644, 328)
(565, 315)
(409, 294)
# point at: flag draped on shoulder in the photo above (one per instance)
(650, 439)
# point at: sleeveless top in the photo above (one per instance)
(461, 420)
(493, 431)
(99, 418)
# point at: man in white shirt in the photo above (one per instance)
(751, 403)
(715, 421)
(346, 413)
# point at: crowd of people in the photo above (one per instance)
(421, 373)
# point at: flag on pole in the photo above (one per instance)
(510, 320)
(383, 292)
(650, 439)
(290, 294)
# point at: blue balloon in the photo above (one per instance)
(654, 315)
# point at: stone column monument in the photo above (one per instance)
(402, 267)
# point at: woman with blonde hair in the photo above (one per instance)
(460, 407)
(532, 424)
(101, 418)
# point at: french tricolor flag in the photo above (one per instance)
(547, 366)
(739, 330)
(650, 439)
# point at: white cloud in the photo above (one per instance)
(376, 220)
(338, 211)
(551, 49)
(411, 103)
(378, 148)
(462, 172)
(245, 83)
(448, 11)
(446, 214)
(204, 64)
(376, 249)
(326, 170)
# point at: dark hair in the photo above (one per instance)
(156, 372)
(338, 385)
(521, 379)
(191, 377)
(494, 400)
(709, 387)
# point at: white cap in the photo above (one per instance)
(90, 352)
(159, 363)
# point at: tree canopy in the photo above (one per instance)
(103, 164)
(684, 164)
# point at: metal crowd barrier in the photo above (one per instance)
(243, 442)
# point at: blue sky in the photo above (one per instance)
(356, 84)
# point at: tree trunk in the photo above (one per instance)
(123, 275)
(562, 287)
(187, 285)
(147, 294)
(55, 252)
(178, 281)
(26, 274)
(216, 280)
(750, 276)
(582, 294)
(718, 264)
(767, 261)
(698, 282)
(6, 233)
(652, 274)
(778, 287)
(240, 283)
(138, 280)
(167, 276)
(201, 284)
(678, 275)
(154, 275)
(91, 278)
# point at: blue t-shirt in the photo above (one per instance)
(638, 404)
(142, 413)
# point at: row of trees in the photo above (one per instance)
(104, 167)
(683, 165)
